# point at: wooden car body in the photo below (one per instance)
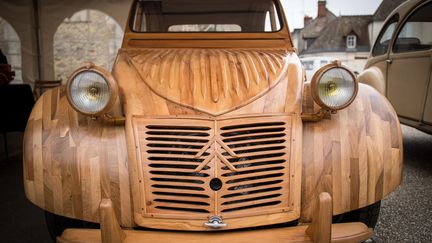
(400, 65)
(208, 90)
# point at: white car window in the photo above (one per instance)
(416, 34)
(381, 46)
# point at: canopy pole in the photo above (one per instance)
(37, 34)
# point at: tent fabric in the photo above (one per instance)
(20, 15)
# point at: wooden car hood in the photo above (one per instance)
(213, 81)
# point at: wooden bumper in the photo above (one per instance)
(320, 230)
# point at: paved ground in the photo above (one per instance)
(406, 215)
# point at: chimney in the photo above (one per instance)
(322, 10)
(307, 20)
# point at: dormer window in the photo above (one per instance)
(351, 41)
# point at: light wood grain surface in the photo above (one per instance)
(282, 97)
(341, 233)
(71, 161)
(355, 155)
(212, 81)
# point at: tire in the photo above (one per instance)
(57, 224)
(367, 215)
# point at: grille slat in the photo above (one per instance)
(170, 207)
(255, 200)
(269, 144)
(255, 137)
(251, 193)
(254, 177)
(263, 140)
(178, 180)
(182, 177)
(251, 125)
(267, 168)
(173, 156)
(191, 199)
(176, 201)
(258, 164)
(261, 206)
(253, 132)
(179, 128)
(175, 187)
(245, 176)
(182, 133)
(173, 139)
(257, 147)
(171, 169)
(161, 150)
(179, 194)
(253, 184)
(257, 157)
(173, 146)
(178, 173)
(249, 153)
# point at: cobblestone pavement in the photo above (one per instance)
(406, 215)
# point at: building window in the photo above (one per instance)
(351, 41)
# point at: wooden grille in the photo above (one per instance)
(193, 168)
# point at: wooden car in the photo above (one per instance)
(205, 127)
(400, 65)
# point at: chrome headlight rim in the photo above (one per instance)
(108, 78)
(316, 81)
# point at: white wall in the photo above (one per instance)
(374, 30)
(356, 61)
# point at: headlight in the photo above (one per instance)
(334, 87)
(91, 90)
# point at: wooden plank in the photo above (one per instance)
(351, 155)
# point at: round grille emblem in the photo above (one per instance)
(215, 184)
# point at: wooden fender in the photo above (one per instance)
(71, 162)
(355, 155)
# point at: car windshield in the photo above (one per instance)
(247, 16)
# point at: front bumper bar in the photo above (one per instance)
(320, 230)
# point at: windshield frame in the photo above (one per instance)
(278, 8)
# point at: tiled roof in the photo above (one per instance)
(386, 7)
(333, 36)
(314, 28)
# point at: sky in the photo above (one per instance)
(296, 9)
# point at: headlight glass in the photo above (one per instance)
(89, 92)
(336, 88)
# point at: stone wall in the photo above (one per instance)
(10, 45)
(88, 36)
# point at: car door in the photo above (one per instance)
(409, 64)
(382, 48)
(427, 112)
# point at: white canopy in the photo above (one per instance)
(36, 22)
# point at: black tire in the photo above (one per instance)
(57, 224)
(367, 215)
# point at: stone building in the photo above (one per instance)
(303, 38)
(346, 38)
(40, 23)
(87, 36)
(10, 45)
